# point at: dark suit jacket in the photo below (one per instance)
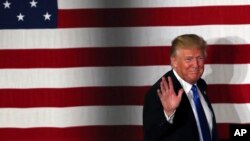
(184, 128)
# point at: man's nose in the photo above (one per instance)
(195, 62)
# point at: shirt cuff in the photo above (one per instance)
(169, 118)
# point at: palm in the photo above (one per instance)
(169, 99)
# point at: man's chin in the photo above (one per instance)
(193, 80)
(195, 75)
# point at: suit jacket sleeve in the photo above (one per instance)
(156, 127)
(154, 121)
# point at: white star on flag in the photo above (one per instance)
(33, 3)
(20, 17)
(47, 16)
(7, 4)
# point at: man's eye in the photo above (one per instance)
(188, 59)
(201, 58)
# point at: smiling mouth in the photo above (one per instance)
(195, 73)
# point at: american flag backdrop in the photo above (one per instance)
(78, 70)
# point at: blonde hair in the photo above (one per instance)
(188, 41)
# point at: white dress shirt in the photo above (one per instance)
(187, 88)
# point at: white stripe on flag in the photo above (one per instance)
(71, 116)
(113, 76)
(102, 115)
(78, 4)
(232, 113)
(119, 37)
(79, 77)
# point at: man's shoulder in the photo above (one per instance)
(156, 85)
(202, 84)
(202, 81)
(169, 73)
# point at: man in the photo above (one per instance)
(176, 108)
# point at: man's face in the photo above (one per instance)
(189, 64)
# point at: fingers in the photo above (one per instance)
(162, 87)
(166, 87)
(159, 93)
(170, 82)
(180, 92)
(165, 83)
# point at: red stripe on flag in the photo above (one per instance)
(72, 96)
(113, 56)
(176, 16)
(228, 54)
(229, 93)
(88, 133)
(223, 129)
(39, 58)
(87, 96)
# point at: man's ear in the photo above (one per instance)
(173, 61)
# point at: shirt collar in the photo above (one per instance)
(185, 85)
